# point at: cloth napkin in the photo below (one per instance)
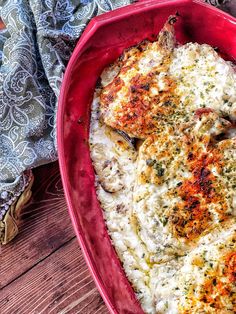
(34, 49)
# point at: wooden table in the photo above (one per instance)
(43, 269)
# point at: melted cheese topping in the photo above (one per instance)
(156, 87)
(153, 241)
(183, 190)
(170, 205)
(208, 277)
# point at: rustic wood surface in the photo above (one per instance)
(42, 270)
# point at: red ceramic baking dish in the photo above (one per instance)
(103, 41)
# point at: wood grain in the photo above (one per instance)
(45, 226)
(59, 284)
(43, 270)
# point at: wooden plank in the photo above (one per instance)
(59, 284)
(45, 226)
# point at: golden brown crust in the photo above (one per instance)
(202, 187)
(143, 100)
(217, 292)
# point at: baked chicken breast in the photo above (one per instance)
(185, 186)
(159, 83)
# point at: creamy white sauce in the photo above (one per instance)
(157, 277)
(128, 245)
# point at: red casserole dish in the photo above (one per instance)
(103, 41)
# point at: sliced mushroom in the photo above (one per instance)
(130, 140)
(109, 73)
(108, 169)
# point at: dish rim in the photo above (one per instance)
(91, 28)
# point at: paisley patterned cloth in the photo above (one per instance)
(34, 49)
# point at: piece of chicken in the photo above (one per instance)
(185, 186)
(157, 84)
(131, 101)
